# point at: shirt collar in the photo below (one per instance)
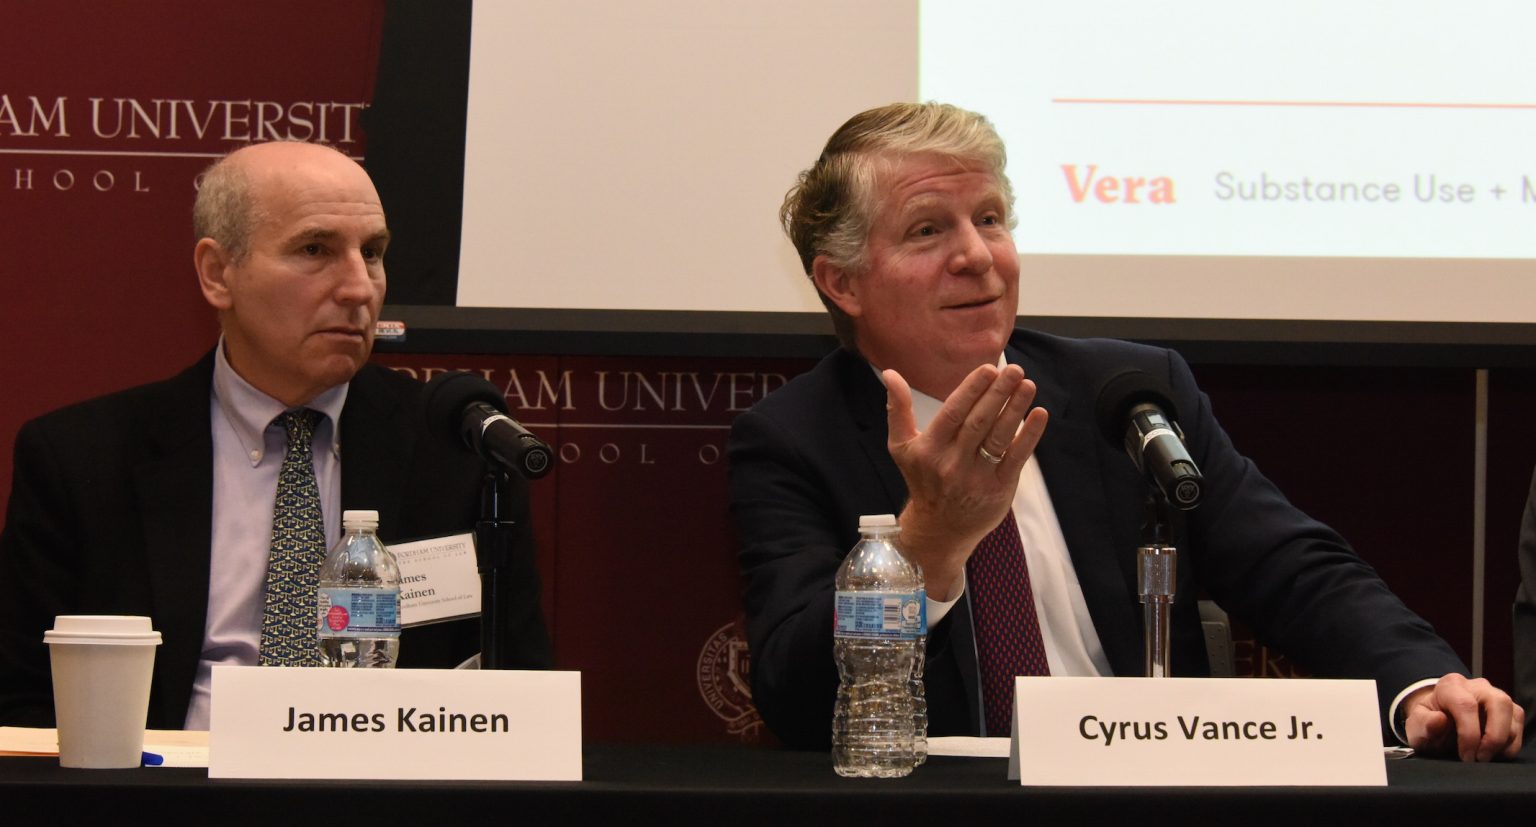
(925, 407)
(249, 411)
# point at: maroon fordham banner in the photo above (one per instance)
(635, 546)
(108, 113)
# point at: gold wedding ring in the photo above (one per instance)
(989, 456)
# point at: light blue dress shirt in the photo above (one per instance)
(248, 452)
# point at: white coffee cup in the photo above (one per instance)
(102, 665)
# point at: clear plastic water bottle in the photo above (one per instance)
(919, 695)
(880, 618)
(359, 598)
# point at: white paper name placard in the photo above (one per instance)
(1120, 732)
(277, 722)
(439, 579)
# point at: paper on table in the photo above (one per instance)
(177, 748)
(968, 747)
(15, 740)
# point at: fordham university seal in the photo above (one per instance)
(724, 681)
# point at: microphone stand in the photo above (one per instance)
(494, 539)
(1156, 565)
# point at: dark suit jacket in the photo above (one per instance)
(811, 457)
(1525, 619)
(111, 513)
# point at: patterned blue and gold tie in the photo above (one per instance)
(298, 548)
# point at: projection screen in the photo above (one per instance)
(1175, 163)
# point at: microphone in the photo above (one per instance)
(1136, 411)
(474, 409)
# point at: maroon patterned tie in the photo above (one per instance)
(1008, 639)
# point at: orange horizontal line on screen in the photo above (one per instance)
(627, 427)
(125, 153)
(1287, 103)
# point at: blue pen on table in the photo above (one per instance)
(150, 759)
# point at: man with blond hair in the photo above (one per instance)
(982, 438)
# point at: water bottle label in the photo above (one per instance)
(359, 612)
(879, 615)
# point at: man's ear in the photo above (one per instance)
(213, 263)
(838, 285)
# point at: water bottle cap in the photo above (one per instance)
(359, 519)
(878, 521)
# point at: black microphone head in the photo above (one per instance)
(1124, 391)
(448, 394)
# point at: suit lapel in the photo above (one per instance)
(377, 441)
(174, 490)
(866, 401)
(1070, 459)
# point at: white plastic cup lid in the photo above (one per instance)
(128, 630)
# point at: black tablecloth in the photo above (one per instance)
(628, 784)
